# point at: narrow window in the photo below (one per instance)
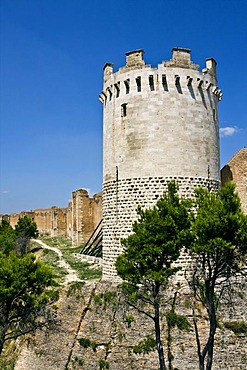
(164, 83)
(138, 83)
(127, 86)
(190, 87)
(117, 88)
(151, 82)
(124, 110)
(177, 83)
(177, 80)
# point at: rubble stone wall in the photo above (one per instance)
(77, 221)
(236, 171)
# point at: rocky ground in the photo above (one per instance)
(96, 331)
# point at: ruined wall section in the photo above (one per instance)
(96, 204)
(236, 171)
(14, 217)
(69, 220)
(50, 221)
(159, 124)
(77, 221)
(86, 214)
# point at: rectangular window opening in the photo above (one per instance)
(178, 85)
(164, 83)
(124, 110)
(138, 83)
(151, 82)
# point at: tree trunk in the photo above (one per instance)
(213, 325)
(198, 343)
(159, 345)
(169, 334)
(1, 346)
(3, 331)
(201, 363)
(169, 346)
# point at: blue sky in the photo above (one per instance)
(52, 56)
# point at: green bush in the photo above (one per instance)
(84, 342)
(238, 327)
(145, 346)
(103, 364)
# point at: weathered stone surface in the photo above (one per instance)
(86, 213)
(104, 323)
(77, 221)
(236, 171)
(159, 124)
(52, 352)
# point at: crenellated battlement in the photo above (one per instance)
(179, 75)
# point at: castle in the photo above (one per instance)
(159, 124)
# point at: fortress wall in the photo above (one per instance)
(77, 221)
(50, 221)
(86, 214)
(14, 217)
(236, 171)
(69, 220)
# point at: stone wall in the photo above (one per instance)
(86, 214)
(50, 221)
(236, 171)
(91, 315)
(77, 221)
(14, 217)
(123, 198)
(69, 220)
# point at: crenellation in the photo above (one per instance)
(108, 70)
(210, 67)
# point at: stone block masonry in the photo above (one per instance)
(77, 221)
(159, 124)
(236, 171)
(86, 213)
(50, 221)
(130, 193)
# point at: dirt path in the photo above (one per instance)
(71, 274)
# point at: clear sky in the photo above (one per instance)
(52, 56)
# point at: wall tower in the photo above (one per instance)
(159, 124)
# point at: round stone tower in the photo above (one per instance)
(159, 124)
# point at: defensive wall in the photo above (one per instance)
(236, 171)
(86, 214)
(50, 221)
(77, 221)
